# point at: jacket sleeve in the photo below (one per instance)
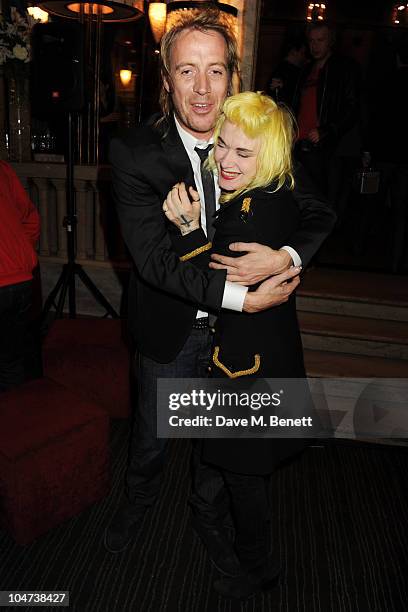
(193, 247)
(28, 213)
(317, 218)
(145, 233)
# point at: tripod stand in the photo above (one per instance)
(66, 280)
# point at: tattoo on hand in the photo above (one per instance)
(186, 221)
(187, 225)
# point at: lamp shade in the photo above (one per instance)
(125, 76)
(157, 18)
(120, 10)
(38, 14)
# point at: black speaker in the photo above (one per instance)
(57, 67)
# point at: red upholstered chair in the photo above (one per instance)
(53, 457)
(90, 357)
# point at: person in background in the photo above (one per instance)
(284, 78)
(19, 232)
(326, 104)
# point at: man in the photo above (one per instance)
(325, 102)
(19, 232)
(173, 339)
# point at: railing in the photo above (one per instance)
(98, 233)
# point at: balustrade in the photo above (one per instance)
(98, 235)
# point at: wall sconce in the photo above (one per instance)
(38, 14)
(400, 14)
(316, 11)
(157, 18)
(125, 77)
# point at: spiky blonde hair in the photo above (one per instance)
(259, 116)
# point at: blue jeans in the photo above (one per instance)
(147, 453)
(15, 302)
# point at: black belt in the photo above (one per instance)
(201, 323)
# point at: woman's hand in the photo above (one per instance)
(178, 208)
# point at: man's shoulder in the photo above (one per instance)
(149, 136)
(343, 62)
(137, 137)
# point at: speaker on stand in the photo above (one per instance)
(58, 88)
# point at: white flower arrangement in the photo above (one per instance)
(15, 45)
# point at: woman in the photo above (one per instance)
(252, 156)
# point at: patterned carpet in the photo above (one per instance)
(340, 528)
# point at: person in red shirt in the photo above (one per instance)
(326, 103)
(19, 232)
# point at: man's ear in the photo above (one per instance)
(167, 83)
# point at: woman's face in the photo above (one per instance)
(235, 155)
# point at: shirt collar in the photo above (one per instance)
(189, 141)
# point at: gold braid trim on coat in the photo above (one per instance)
(201, 249)
(228, 372)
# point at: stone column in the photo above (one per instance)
(249, 16)
(100, 243)
(82, 217)
(61, 198)
(42, 186)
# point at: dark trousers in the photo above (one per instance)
(15, 302)
(316, 162)
(147, 453)
(250, 507)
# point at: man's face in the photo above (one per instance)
(320, 43)
(198, 80)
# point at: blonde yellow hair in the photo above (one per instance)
(259, 116)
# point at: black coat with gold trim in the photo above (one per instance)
(265, 344)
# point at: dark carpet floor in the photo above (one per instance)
(340, 518)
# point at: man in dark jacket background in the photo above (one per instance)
(19, 231)
(326, 103)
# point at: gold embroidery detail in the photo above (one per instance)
(192, 254)
(228, 372)
(246, 205)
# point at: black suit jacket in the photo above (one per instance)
(164, 292)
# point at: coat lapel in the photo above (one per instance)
(176, 155)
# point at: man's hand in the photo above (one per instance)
(178, 208)
(259, 263)
(272, 292)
